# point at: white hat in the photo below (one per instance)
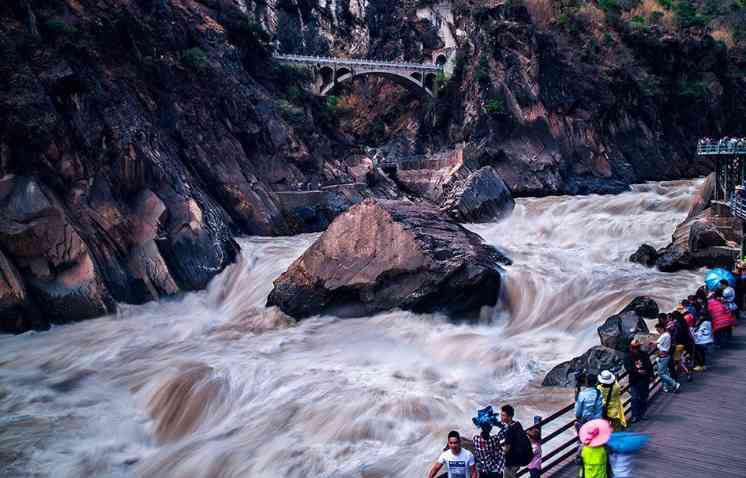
(606, 377)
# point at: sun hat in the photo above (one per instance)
(595, 433)
(606, 377)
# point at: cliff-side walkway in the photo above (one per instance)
(701, 431)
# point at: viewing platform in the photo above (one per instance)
(696, 433)
(726, 149)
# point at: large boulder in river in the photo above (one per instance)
(481, 197)
(389, 254)
(595, 360)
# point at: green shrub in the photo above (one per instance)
(739, 34)
(60, 27)
(291, 113)
(692, 89)
(608, 39)
(637, 22)
(194, 58)
(667, 4)
(687, 15)
(495, 106)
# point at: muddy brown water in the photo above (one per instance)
(212, 384)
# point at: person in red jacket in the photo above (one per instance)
(722, 318)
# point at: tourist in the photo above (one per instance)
(686, 313)
(459, 462)
(703, 339)
(692, 306)
(594, 457)
(487, 449)
(534, 468)
(641, 374)
(729, 295)
(663, 360)
(683, 345)
(722, 318)
(611, 393)
(517, 447)
(589, 404)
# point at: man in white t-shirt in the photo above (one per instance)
(459, 462)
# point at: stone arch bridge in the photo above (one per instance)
(330, 72)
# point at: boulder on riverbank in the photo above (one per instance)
(595, 360)
(389, 254)
(481, 197)
(615, 335)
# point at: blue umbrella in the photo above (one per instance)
(627, 442)
(713, 278)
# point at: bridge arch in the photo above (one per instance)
(413, 82)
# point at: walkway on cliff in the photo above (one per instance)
(701, 431)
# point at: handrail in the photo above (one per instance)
(737, 205)
(550, 459)
(354, 61)
(725, 147)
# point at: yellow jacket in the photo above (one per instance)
(613, 404)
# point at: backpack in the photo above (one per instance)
(521, 446)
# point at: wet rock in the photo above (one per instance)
(389, 254)
(595, 360)
(703, 235)
(13, 298)
(54, 261)
(481, 197)
(645, 255)
(673, 258)
(645, 307)
(618, 330)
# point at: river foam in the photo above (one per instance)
(212, 384)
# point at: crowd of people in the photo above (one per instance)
(686, 338)
(685, 341)
(499, 455)
(725, 143)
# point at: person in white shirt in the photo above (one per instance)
(459, 462)
(664, 358)
(703, 340)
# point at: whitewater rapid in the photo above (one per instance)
(212, 384)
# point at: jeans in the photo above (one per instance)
(490, 474)
(700, 355)
(639, 393)
(534, 473)
(665, 375)
(510, 472)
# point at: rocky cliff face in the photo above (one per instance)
(138, 136)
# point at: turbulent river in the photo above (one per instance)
(212, 384)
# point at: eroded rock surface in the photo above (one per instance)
(389, 254)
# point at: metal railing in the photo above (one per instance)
(568, 447)
(737, 205)
(724, 147)
(387, 65)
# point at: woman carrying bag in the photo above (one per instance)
(611, 393)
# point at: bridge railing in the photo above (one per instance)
(726, 147)
(305, 59)
(563, 441)
(737, 205)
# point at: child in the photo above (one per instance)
(594, 456)
(703, 340)
(534, 468)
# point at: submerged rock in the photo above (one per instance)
(389, 254)
(645, 255)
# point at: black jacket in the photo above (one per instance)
(639, 367)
